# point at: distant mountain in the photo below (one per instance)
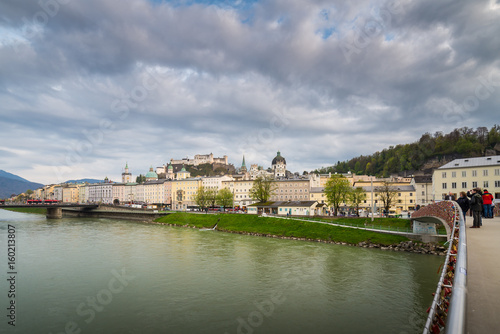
(13, 184)
(84, 180)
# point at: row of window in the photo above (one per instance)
(474, 173)
(486, 184)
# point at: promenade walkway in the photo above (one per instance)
(483, 277)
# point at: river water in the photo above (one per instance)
(112, 276)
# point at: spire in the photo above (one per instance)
(243, 163)
(126, 165)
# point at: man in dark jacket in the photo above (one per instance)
(476, 205)
(463, 201)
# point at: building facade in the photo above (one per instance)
(465, 174)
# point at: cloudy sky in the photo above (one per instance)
(88, 85)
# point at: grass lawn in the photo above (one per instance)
(280, 227)
(41, 211)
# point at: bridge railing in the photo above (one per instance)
(447, 313)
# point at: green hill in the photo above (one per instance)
(431, 151)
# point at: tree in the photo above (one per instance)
(29, 192)
(225, 198)
(211, 195)
(336, 190)
(200, 198)
(387, 194)
(262, 189)
(355, 197)
(140, 179)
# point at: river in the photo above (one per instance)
(113, 276)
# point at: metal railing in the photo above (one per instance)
(448, 310)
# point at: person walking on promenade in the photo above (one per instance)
(476, 205)
(463, 201)
(487, 200)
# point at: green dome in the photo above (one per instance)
(151, 174)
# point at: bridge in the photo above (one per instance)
(466, 299)
(54, 211)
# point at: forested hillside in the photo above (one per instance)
(432, 150)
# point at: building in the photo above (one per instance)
(183, 191)
(240, 188)
(215, 182)
(151, 175)
(423, 189)
(291, 190)
(126, 175)
(200, 159)
(100, 193)
(465, 174)
(279, 166)
(284, 208)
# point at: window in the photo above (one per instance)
(411, 194)
(474, 173)
(400, 201)
(497, 172)
(444, 186)
(485, 172)
(485, 184)
(464, 185)
(464, 174)
(423, 193)
(474, 184)
(443, 175)
(453, 174)
(497, 184)
(399, 194)
(411, 201)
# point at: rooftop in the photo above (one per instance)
(473, 162)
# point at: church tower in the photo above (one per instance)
(279, 166)
(243, 166)
(126, 176)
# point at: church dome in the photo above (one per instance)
(151, 174)
(279, 159)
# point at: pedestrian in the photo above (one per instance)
(487, 201)
(464, 203)
(476, 205)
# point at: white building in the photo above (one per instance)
(100, 193)
(465, 174)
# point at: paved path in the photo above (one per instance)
(483, 277)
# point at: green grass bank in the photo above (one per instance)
(41, 211)
(238, 223)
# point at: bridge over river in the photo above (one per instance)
(467, 296)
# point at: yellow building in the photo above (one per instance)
(465, 174)
(70, 193)
(240, 188)
(183, 191)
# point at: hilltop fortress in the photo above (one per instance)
(200, 159)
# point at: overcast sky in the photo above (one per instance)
(88, 85)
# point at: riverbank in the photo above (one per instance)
(39, 211)
(298, 230)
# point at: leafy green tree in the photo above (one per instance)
(200, 198)
(140, 179)
(262, 189)
(29, 192)
(211, 195)
(337, 189)
(355, 197)
(225, 198)
(387, 194)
